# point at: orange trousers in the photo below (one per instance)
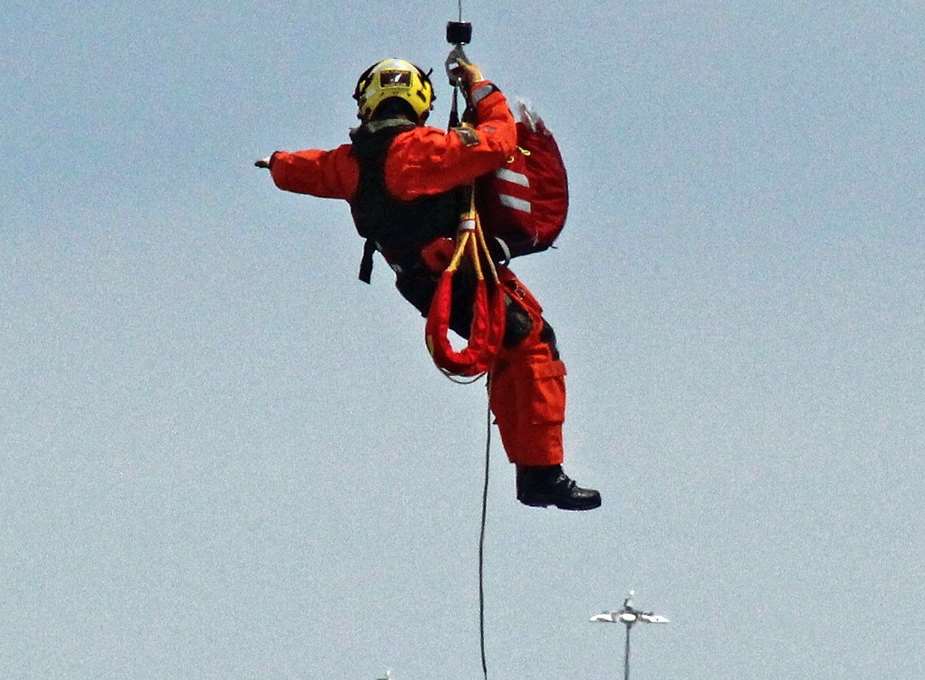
(527, 388)
(527, 382)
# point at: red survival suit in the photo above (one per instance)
(402, 181)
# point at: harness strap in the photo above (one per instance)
(366, 263)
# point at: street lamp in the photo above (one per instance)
(628, 616)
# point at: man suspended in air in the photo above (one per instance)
(403, 180)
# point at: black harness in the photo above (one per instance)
(398, 229)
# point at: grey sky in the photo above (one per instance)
(221, 456)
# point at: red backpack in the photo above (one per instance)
(525, 202)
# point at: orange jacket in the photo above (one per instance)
(421, 162)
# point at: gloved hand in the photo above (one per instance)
(264, 162)
(460, 69)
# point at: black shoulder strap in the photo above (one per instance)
(371, 142)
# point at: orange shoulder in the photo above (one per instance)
(428, 160)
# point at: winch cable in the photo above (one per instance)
(454, 122)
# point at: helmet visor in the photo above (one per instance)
(394, 78)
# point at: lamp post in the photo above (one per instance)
(628, 616)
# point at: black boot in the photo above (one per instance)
(549, 485)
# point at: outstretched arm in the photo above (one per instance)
(328, 174)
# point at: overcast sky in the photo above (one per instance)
(222, 456)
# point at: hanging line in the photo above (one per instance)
(482, 533)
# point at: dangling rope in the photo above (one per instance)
(482, 535)
(485, 337)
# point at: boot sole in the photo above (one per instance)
(596, 503)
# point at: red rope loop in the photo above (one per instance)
(488, 311)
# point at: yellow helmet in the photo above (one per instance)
(398, 79)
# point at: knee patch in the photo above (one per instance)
(518, 326)
(548, 335)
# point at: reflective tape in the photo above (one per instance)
(512, 177)
(480, 93)
(515, 203)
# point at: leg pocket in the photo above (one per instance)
(546, 402)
